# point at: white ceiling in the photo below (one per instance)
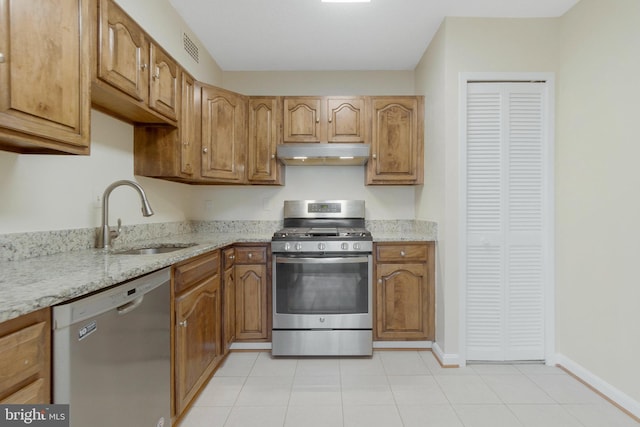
(261, 35)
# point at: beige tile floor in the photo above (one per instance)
(394, 388)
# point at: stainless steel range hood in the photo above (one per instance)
(324, 154)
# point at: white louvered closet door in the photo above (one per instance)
(505, 221)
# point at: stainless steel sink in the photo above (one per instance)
(155, 249)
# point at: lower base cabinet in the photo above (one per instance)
(197, 308)
(25, 359)
(252, 293)
(404, 291)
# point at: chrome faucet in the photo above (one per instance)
(105, 235)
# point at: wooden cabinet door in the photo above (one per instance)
(264, 119)
(251, 302)
(198, 342)
(397, 141)
(402, 301)
(223, 135)
(123, 52)
(346, 117)
(302, 118)
(44, 76)
(163, 90)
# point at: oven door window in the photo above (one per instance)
(317, 285)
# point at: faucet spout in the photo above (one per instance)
(106, 234)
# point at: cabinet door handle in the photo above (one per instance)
(318, 120)
(183, 323)
(232, 257)
(143, 67)
(273, 156)
(205, 150)
(374, 156)
(2, 58)
(250, 255)
(330, 119)
(380, 281)
(403, 253)
(156, 76)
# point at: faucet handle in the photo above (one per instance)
(115, 233)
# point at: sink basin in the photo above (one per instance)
(155, 249)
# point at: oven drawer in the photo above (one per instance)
(400, 252)
(251, 255)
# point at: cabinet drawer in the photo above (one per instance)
(23, 355)
(401, 252)
(229, 257)
(32, 394)
(253, 255)
(196, 270)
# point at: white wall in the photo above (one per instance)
(303, 182)
(59, 192)
(320, 82)
(598, 191)
(310, 182)
(44, 192)
(430, 199)
(467, 45)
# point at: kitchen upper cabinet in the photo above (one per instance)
(135, 79)
(198, 347)
(302, 118)
(252, 291)
(404, 291)
(45, 76)
(25, 359)
(397, 143)
(325, 119)
(264, 134)
(167, 152)
(223, 126)
(346, 119)
(163, 88)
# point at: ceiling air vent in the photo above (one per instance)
(190, 47)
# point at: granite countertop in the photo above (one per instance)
(30, 284)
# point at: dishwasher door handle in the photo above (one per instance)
(130, 306)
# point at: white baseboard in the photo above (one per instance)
(402, 344)
(617, 396)
(452, 360)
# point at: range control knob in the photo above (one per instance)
(298, 246)
(356, 246)
(344, 246)
(321, 246)
(287, 247)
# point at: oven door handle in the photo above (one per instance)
(321, 260)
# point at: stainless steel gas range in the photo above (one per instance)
(322, 280)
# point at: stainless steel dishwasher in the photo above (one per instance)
(111, 355)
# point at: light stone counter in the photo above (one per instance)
(39, 270)
(30, 284)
